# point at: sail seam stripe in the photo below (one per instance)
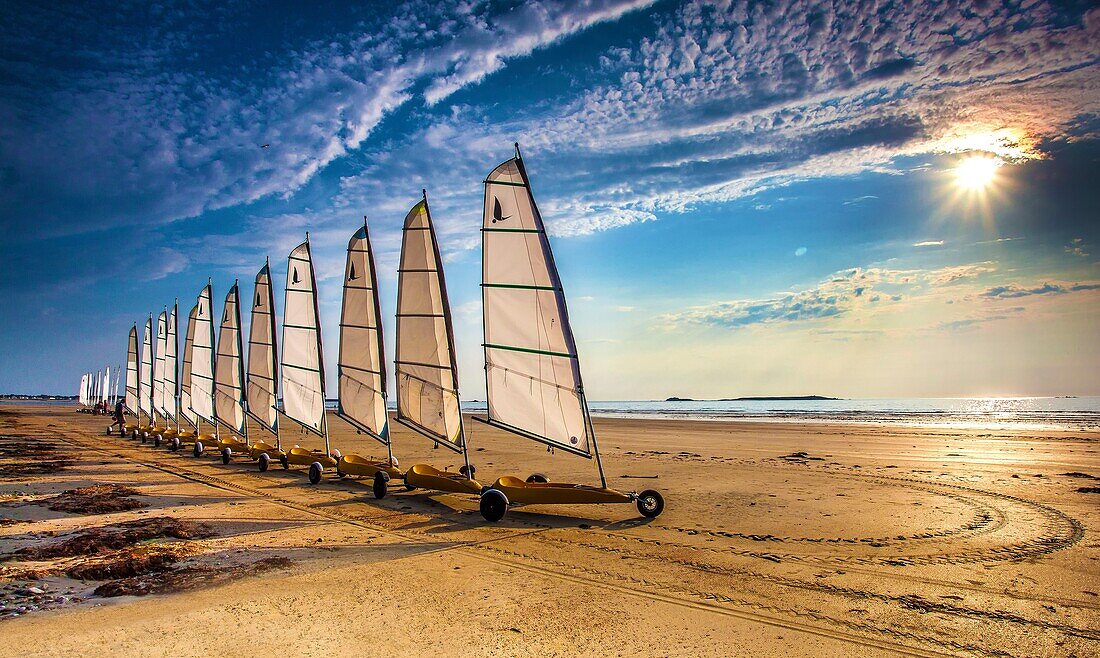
(425, 365)
(511, 230)
(519, 286)
(529, 350)
(504, 182)
(291, 365)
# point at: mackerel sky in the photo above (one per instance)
(744, 198)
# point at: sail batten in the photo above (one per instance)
(362, 376)
(202, 357)
(229, 368)
(303, 381)
(263, 355)
(427, 379)
(532, 374)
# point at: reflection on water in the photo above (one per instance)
(989, 413)
(1074, 414)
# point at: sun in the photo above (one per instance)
(976, 172)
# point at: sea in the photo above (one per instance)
(1020, 413)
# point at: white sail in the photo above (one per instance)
(106, 384)
(263, 361)
(427, 379)
(362, 373)
(171, 365)
(132, 371)
(158, 362)
(303, 364)
(533, 379)
(145, 380)
(202, 357)
(82, 394)
(185, 376)
(229, 368)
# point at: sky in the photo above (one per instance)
(873, 199)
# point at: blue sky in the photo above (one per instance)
(745, 198)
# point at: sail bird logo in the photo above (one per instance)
(351, 275)
(497, 213)
(294, 278)
(258, 302)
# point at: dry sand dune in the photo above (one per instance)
(777, 539)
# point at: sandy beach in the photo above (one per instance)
(777, 539)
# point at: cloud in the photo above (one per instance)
(1014, 291)
(132, 135)
(1076, 247)
(839, 294)
(929, 243)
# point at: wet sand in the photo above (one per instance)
(777, 539)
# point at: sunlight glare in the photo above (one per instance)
(976, 172)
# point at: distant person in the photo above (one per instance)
(120, 416)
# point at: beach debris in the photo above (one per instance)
(105, 539)
(25, 455)
(1080, 475)
(1092, 490)
(186, 578)
(97, 499)
(801, 456)
(641, 477)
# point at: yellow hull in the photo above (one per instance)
(423, 476)
(304, 457)
(262, 448)
(231, 442)
(556, 493)
(362, 467)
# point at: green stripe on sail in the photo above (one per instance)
(517, 286)
(529, 350)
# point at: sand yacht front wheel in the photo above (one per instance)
(494, 505)
(315, 471)
(650, 503)
(381, 484)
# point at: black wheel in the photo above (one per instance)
(144, 437)
(156, 440)
(175, 445)
(227, 455)
(468, 471)
(408, 486)
(340, 474)
(264, 462)
(537, 477)
(133, 434)
(109, 431)
(381, 484)
(285, 462)
(315, 470)
(198, 449)
(494, 505)
(650, 503)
